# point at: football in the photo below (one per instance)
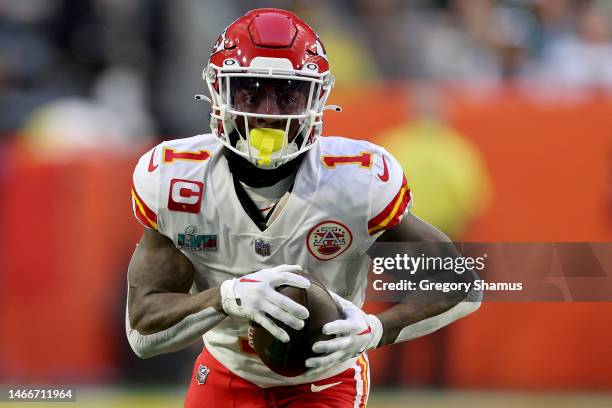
(288, 359)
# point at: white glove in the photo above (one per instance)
(254, 296)
(356, 333)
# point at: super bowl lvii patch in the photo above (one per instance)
(194, 242)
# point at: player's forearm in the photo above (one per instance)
(186, 318)
(155, 312)
(422, 314)
(174, 338)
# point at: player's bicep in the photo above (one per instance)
(413, 229)
(157, 266)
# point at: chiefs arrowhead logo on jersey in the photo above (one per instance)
(185, 195)
(328, 239)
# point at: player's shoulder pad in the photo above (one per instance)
(145, 187)
(390, 195)
(171, 154)
(363, 166)
(337, 145)
(341, 153)
(189, 148)
(344, 155)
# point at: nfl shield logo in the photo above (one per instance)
(202, 374)
(262, 247)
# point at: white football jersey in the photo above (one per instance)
(346, 193)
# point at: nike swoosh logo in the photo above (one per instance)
(319, 388)
(152, 167)
(248, 280)
(366, 331)
(385, 176)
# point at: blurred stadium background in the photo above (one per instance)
(500, 112)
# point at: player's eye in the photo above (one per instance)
(287, 101)
(251, 100)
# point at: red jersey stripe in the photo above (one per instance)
(390, 215)
(141, 217)
(150, 214)
(141, 208)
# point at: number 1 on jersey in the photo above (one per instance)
(171, 155)
(364, 160)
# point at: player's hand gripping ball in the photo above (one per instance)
(355, 333)
(289, 359)
(254, 297)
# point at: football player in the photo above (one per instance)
(230, 216)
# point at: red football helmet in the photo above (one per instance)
(268, 78)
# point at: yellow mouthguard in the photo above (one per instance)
(266, 140)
